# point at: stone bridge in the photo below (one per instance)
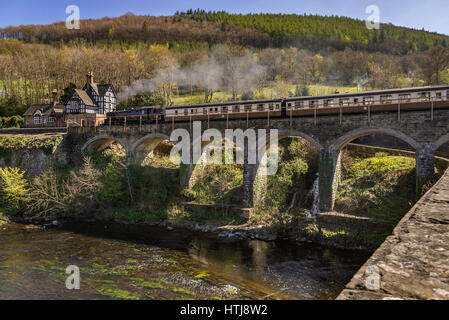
(424, 131)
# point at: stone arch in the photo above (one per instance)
(350, 136)
(442, 140)
(144, 146)
(100, 143)
(293, 133)
(330, 161)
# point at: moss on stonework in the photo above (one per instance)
(47, 144)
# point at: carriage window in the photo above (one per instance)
(424, 96)
(299, 104)
(216, 109)
(271, 106)
(236, 108)
(385, 98)
(344, 102)
(289, 106)
(404, 97)
(186, 111)
(356, 101)
(193, 110)
(313, 103)
(328, 102)
(277, 106)
(204, 110)
(224, 109)
(438, 95)
(176, 111)
(248, 108)
(260, 107)
(368, 100)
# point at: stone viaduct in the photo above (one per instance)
(424, 131)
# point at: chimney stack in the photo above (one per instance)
(54, 97)
(90, 78)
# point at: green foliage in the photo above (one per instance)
(13, 188)
(382, 187)
(41, 142)
(314, 31)
(292, 172)
(68, 93)
(11, 122)
(219, 184)
(11, 107)
(112, 187)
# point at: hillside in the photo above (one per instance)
(257, 30)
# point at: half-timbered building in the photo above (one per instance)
(89, 106)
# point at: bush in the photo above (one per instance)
(13, 188)
(112, 189)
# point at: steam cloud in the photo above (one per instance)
(220, 71)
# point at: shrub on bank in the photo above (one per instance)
(13, 189)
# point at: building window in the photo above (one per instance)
(37, 119)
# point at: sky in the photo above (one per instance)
(428, 14)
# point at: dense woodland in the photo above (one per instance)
(202, 53)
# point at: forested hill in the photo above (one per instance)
(257, 30)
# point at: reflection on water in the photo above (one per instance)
(136, 262)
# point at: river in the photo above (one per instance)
(141, 262)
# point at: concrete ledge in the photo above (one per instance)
(414, 261)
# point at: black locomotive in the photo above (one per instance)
(142, 115)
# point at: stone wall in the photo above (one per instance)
(35, 161)
(413, 262)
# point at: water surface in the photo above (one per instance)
(140, 262)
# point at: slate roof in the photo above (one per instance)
(45, 109)
(85, 97)
(100, 89)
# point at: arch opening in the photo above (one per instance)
(153, 150)
(375, 175)
(104, 144)
(218, 182)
